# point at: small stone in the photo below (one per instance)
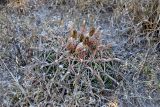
(60, 66)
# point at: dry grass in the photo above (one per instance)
(37, 70)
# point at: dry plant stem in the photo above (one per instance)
(104, 60)
(140, 96)
(112, 79)
(97, 76)
(53, 63)
(144, 61)
(17, 83)
(142, 64)
(77, 78)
